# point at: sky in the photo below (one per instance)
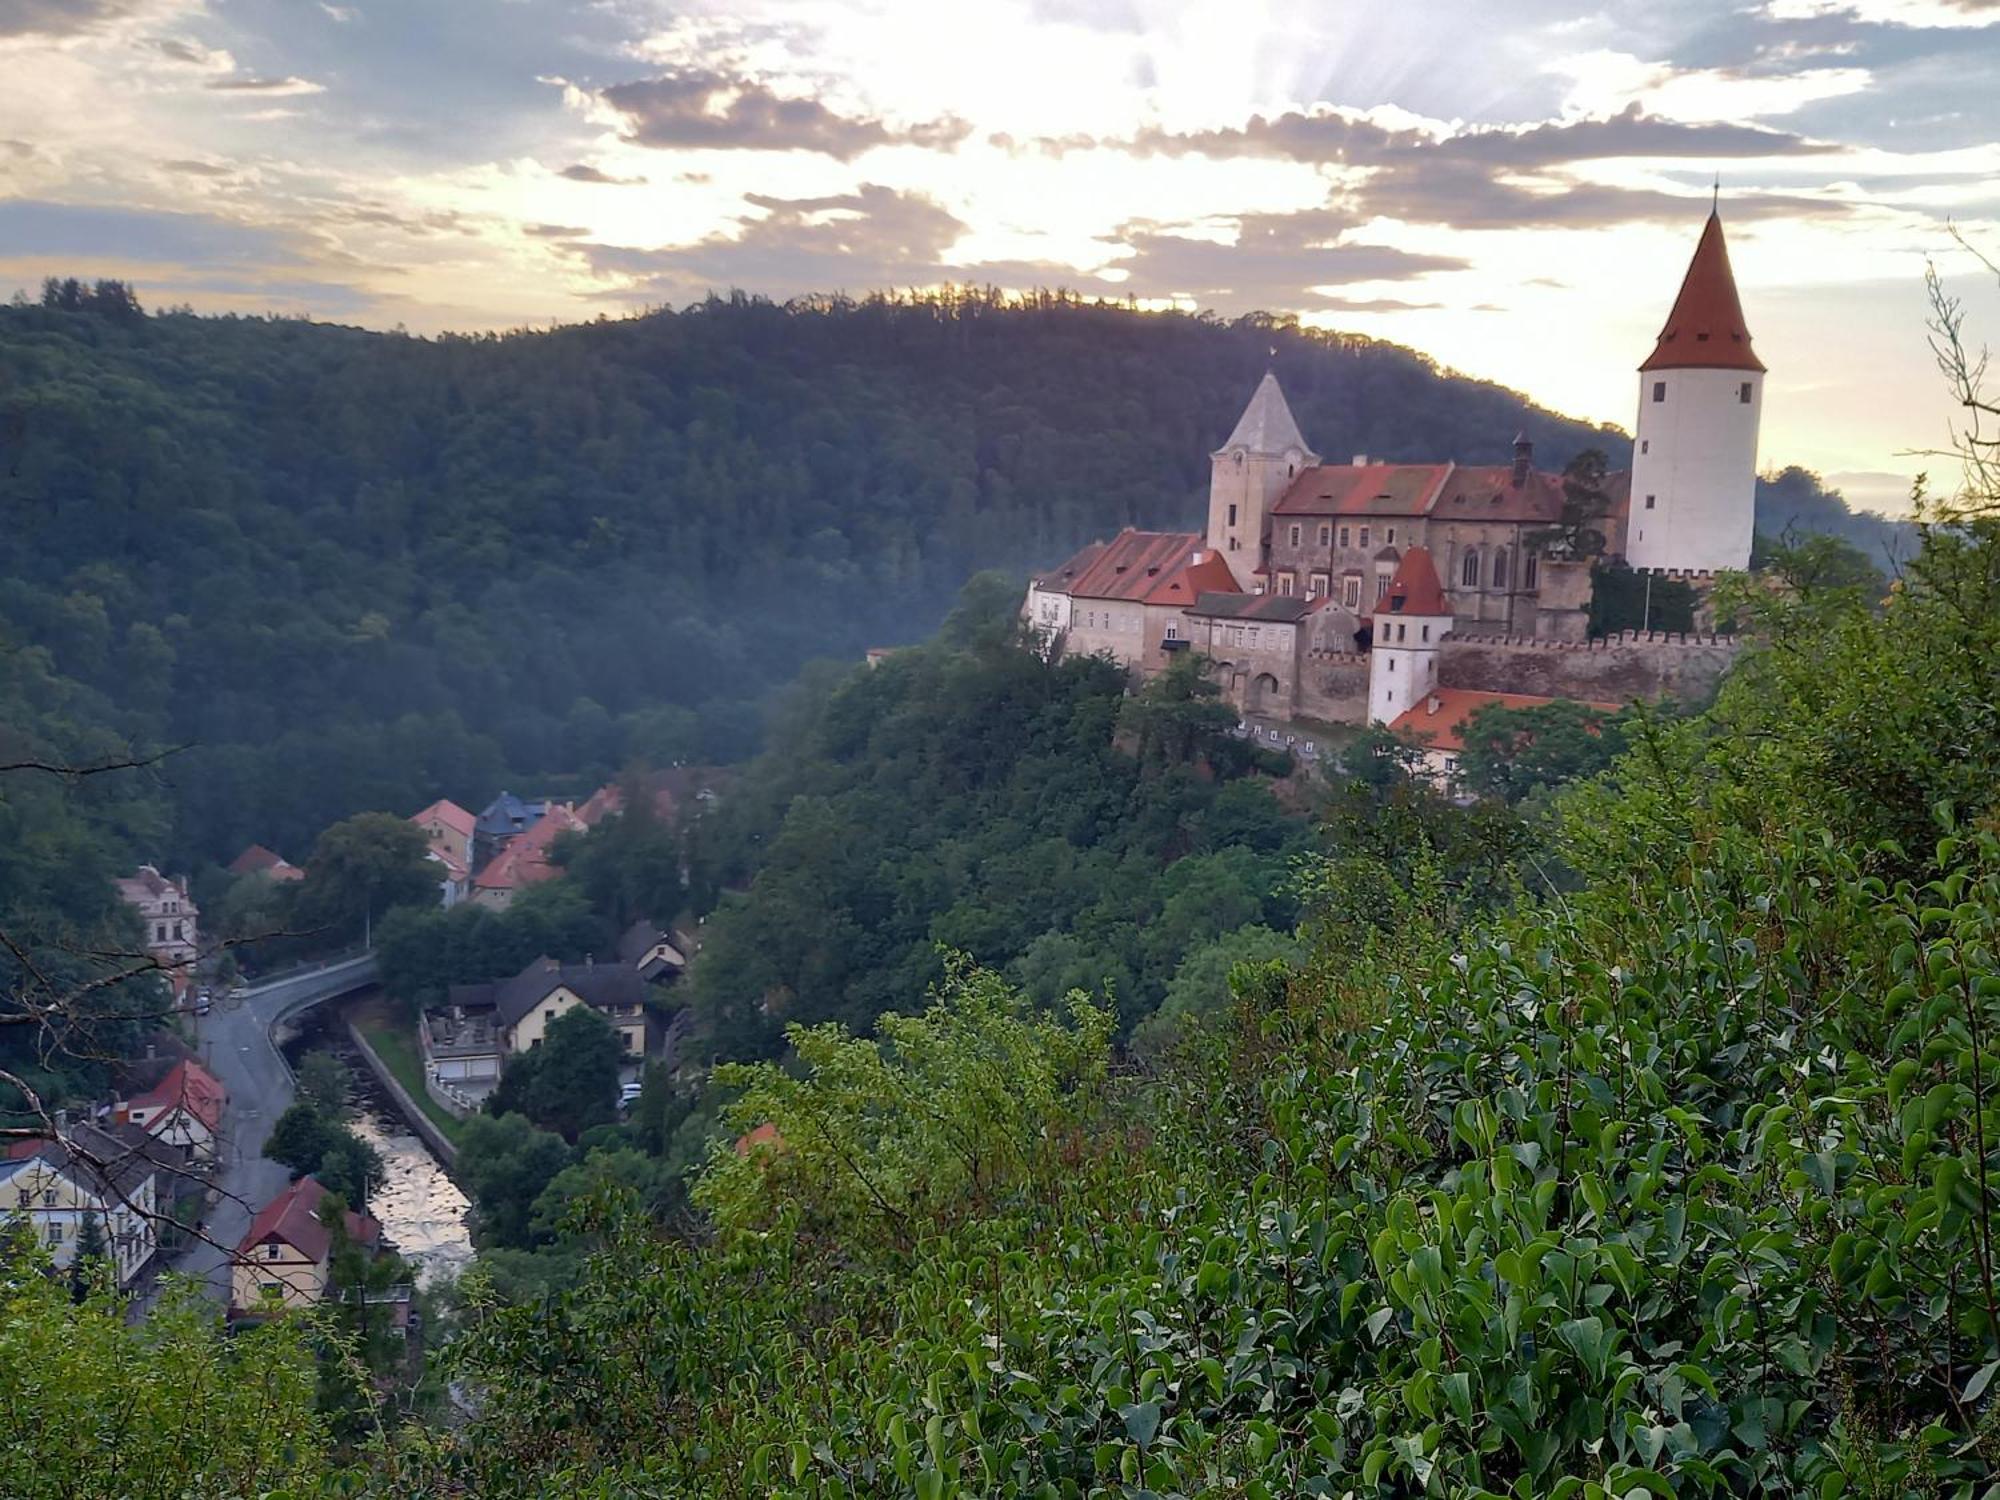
(1512, 187)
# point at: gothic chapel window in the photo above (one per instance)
(1470, 575)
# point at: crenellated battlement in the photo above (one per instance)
(1622, 639)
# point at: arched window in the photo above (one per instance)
(1531, 572)
(1498, 574)
(1470, 574)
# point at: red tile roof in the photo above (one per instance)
(525, 861)
(765, 1135)
(257, 860)
(1488, 493)
(191, 1085)
(1364, 490)
(293, 1219)
(1414, 588)
(1441, 718)
(449, 814)
(1155, 567)
(1706, 330)
(1061, 579)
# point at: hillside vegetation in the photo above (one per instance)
(356, 571)
(1675, 1179)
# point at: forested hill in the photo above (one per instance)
(359, 570)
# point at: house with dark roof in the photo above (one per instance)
(110, 1175)
(653, 952)
(468, 1040)
(285, 1258)
(526, 859)
(504, 819)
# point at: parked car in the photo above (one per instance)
(204, 1001)
(628, 1093)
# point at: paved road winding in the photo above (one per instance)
(235, 1042)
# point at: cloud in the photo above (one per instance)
(696, 109)
(340, 13)
(581, 173)
(1929, 15)
(194, 168)
(1346, 138)
(872, 237)
(1468, 195)
(63, 17)
(555, 231)
(1277, 260)
(180, 50)
(271, 88)
(30, 227)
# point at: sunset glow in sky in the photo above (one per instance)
(1511, 186)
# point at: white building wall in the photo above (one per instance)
(1403, 670)
(1695, 455)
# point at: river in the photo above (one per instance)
(421, 1210)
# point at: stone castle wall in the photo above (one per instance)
(1333, 686)
(1634, 664)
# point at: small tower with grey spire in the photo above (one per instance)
(1248, 475)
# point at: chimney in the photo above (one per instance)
(1360, 460)
(1524, 459)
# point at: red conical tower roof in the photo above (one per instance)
(1415, 589)
(1706, 331)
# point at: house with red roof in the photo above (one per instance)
(1439, 722)
(448, 830)
(257, 860)
(183, 1109)
(285, 1258)
(526, 859)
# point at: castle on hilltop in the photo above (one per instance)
(1411, 594)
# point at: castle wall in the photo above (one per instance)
(1333, 685)
(1650, 666)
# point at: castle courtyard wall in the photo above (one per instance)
(1643, 665)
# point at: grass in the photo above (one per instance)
(396, 1045)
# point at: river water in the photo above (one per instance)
(421, 1210)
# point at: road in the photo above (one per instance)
(234, 1039)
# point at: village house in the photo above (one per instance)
(448, 830)
(183, 1109)
(106, 1175)
(525, 859)
(170, 918)
(285, 1258)
(504, 819)
(652, 952)
(467, 1041)
(257, 860)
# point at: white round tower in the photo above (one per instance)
(1411, 623)
(1694, 448)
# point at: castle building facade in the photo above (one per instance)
(1341, 590)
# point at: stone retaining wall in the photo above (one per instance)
(412, 1112)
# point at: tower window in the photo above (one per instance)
(1659, 390)
(1427, 632)
(1645, 445)
(1232, 515)
(1392, 536)
(1743, 393)
(1649, 502)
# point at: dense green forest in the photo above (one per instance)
(1646, 1143)
(352, 570)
